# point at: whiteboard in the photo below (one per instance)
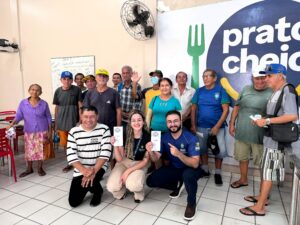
(76, 64)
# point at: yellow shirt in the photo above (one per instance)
(148, 97)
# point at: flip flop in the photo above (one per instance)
(253, 199)
(24, 174)
(41, 172)
(237, 184)
(252, 212)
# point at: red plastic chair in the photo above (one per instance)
(9, 116)
(5, 150)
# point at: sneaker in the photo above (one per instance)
(176, 193)
(206, 174)
(190, 212)
(218, 179)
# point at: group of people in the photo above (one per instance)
(85, 118)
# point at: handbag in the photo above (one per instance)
(284, 133)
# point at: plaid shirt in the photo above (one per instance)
(127, 102)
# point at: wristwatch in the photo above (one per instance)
(268, 121)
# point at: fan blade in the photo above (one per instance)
(149, 31)
(132, 23)
(135, 10)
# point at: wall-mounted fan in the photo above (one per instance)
(137, 20)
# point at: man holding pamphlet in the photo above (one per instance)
(182, 149)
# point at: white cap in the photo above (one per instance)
(255, 73)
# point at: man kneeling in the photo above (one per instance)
(88, 151)
(182, 149)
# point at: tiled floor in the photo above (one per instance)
(44, 200)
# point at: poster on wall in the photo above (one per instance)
(75, 64)
(232, 38)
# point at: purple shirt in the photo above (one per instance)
(36, 119)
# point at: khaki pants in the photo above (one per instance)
(134, 183)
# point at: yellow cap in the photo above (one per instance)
(102, 72)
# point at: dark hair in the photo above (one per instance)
(171, 112)
(165, 79)
(89, 108)
(118, 75)
(79, 74)
(213, 72)
(182, 73)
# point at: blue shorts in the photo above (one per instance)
(203, 133)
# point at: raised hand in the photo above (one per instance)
(135, 77)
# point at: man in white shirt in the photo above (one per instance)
(184, 94)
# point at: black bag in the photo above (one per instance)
(212, 144)
(284, 133)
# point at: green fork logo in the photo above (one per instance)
(195, 51)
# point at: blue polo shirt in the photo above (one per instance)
(187, 143)
(209, 105)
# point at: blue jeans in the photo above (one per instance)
(203, 133)
(167, 177)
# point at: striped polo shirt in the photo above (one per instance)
(88, 146)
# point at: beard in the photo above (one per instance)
(178, 128)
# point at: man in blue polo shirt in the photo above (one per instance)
(182, 149)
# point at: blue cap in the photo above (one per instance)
(274, 68)
(66, 74)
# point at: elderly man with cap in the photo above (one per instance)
(151, 92)
(248, 137)
(67, 100)
(106, 100)
(90, 83)
(272, 164)
(184, 94)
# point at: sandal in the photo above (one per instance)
(67, 168)
(252, 212)
(41, 172)
(238, 184)
(253, 199)
(27, 172)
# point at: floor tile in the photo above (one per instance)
(97, 222)
(174, 212)
(181, 200)
(232, 211)
(107, 197)
(246, 190)
(12, 201)
(51, 196)
(48, 214)
(127, 202)
(275, 207)
(162, 221)
(64, 186)
(230, 221)
(209, 205)
(63, 202)
(151, 206)
(29, 207)
(272, 219)
(86, 209)
(238, 199)
(27, 222)
(72, 218)
(205, 218)
(9, 218)
(54, 181)
(113, 214)
(5, 193)
(35, 190)
(39, 179)
(214, 194)
(135, 218)
(160, 194)
(19, 186)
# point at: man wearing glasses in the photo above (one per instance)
(182, 149)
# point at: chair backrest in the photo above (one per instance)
(7, 115)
